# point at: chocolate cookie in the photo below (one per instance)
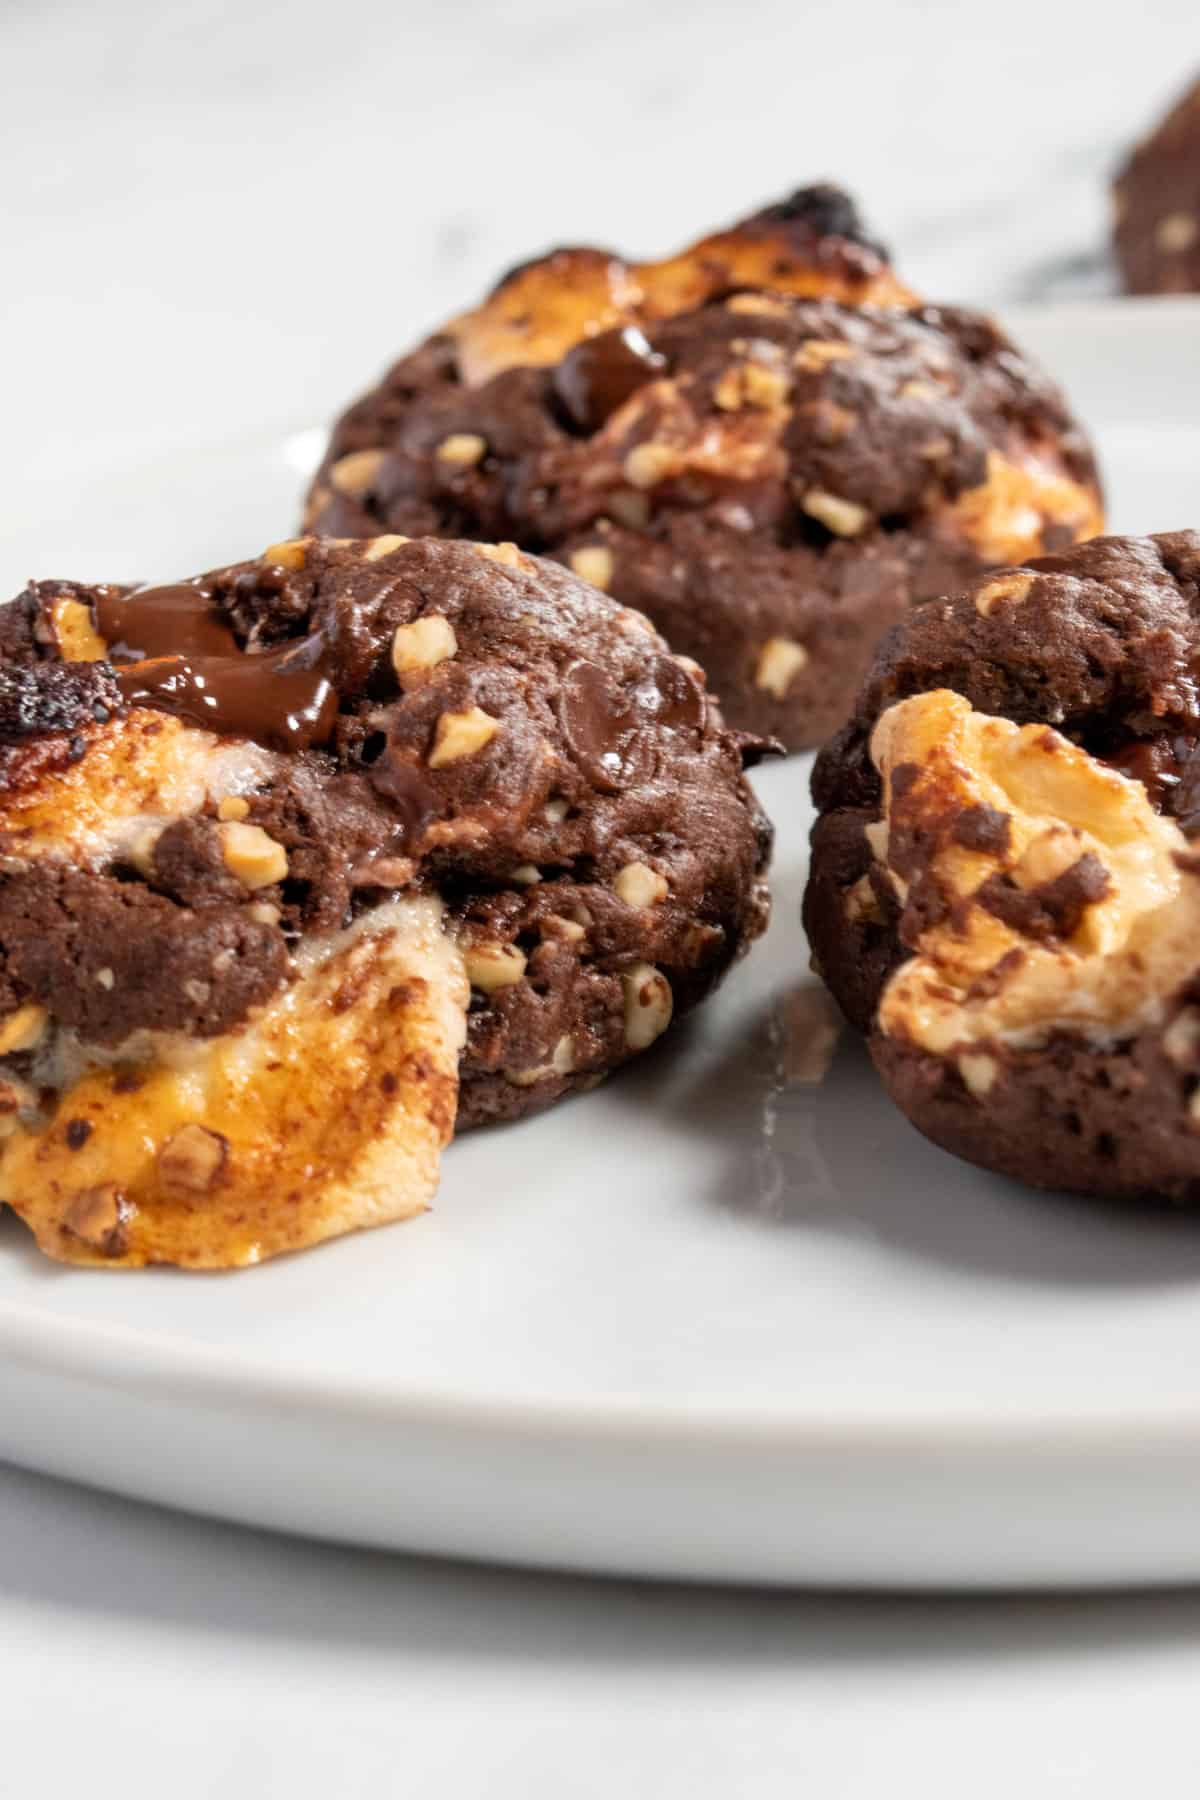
(280, 841)
(764, 443)
(1156, 196)
(1005, 884)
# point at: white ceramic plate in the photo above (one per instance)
(710, 1320)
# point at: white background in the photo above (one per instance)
(218, 218)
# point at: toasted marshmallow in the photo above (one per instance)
(324, 1113)
(1044, 893)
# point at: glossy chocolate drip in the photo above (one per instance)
(282, 698)
(599, 375)
(162, 621)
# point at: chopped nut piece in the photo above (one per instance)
(649, 1004)
(630, 619)
(978, 1071)
(764, 388)
(816, 354)
(749, 384)
(139, 851)
(648, 464)
(526, 874)
(492, 966)
(383, 546)
(699, 939)
(263, 913)
(862, 903)
(1181, 1039)
(233, 807)
(192, 1158)
(99, 1216)
(22, 1029)
(876, 835)
(106, 979)
(562, 1062)
(762, 305)
(556, 810)
(463, 448)
(1008, 587)
(1177, 233)
(834, 423)
(557, 926)
(354, 474)
(845, 518)
(780, 661)
(77, 637)
(428, 641)
(508, 554)
(252, 855)
(594, 563)
(459, 734)
(290, 554)
(637, 884)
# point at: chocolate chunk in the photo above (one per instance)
(603, 726)
(600, 374)
(283, 698)
(164, 621)
(982, 828)
(1053, 908)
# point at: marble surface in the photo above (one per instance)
(220, 218)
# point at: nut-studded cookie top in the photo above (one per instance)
(772, 465)
(209, 792)
(1157, 205)
(804, 420)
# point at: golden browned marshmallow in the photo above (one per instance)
(325, 1113)
(993, 824)
(137, 773)
(1027, 491)
(547, 307)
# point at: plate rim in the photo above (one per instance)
(143, 1363)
